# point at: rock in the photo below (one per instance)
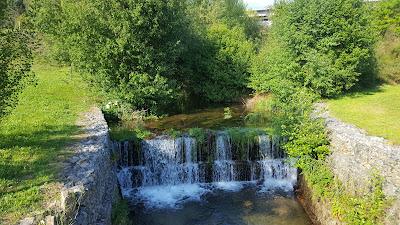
(50, 220)
(92, 179)
(27, 221)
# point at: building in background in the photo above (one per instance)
(264, 15)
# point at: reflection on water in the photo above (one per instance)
(218, 207)
(212, 118)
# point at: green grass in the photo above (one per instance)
(376, 111)
(120, 213)
(35, 137)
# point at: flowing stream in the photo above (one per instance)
(213, 180)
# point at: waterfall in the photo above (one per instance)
(168, 162)
(223, 166)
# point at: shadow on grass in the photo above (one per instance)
(32, 158)
(359, 92)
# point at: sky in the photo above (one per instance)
(258, 4)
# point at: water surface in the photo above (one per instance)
(238, 206)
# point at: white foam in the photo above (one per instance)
(170, 196)
(274, 184)
(233, 186)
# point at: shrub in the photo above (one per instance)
(388, 58)
(15, 57)
(129, 48)
(386, 16)
(386, 20)
(154, 55)
(325, 46)
(221, 67)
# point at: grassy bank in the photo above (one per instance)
(34, 138)
(387, 53)
(377, 111)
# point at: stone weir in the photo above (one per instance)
(216, 157)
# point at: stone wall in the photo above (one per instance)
(356, 156)
(88, 181)
(91, 181)
(318, 210)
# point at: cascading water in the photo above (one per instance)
(168, 170)
(223, 166)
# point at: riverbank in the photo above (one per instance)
(36, 138)
(364, 178)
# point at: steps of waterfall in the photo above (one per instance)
(165, 171)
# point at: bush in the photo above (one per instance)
(386, 16)
(15, 57)
(228, 70)
(388, 58)
(386, 20)
(154, 55)
(325, 46)
(129, 48)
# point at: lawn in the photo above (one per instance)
(376, 111)
(34, 139)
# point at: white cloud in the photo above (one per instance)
(258, 4)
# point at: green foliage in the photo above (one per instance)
(173, 133)
(258, 111)
(220, 50)
(227, 113)
(120, 213)
(292, 108)
(317, 48)
(308, 143)
(386, 21)
(129, 48)
(155, 54)
(233, 13)
(243, 139)
(325, 46)
(199, 134)
(365, 208)
(15, 57)
(230, 68)
(386, 16)
(388, 58)
(115, 111)
(121, 133)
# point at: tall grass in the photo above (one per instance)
(388, 58)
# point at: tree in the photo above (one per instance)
(220, 56)
(228, 67)
(152, 54)
(129, 48)
(325, 46)
(15, 57)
